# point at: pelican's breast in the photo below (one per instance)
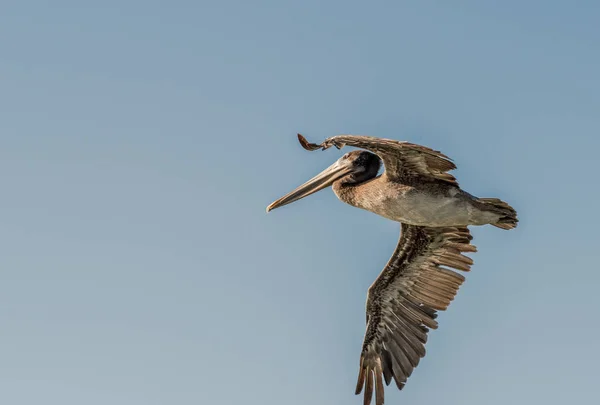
(414, 205)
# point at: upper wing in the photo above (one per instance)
(402, 160)
(402, 303)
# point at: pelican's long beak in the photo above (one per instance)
(324, 179)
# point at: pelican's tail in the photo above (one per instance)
(508, 215)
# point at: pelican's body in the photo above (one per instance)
(415, 189)
(424, 204)
(420, 278)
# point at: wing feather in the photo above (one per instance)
(404, 161)
(403, 301)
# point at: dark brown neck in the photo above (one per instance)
(355, 194)
(346, 192)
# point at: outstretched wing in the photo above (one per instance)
(403, 160)
(402, 303)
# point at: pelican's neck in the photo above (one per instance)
(360, 195)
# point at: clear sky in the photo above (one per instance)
(140, 142)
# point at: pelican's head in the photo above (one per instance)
(352, 168)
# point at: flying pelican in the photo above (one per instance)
(417, 191)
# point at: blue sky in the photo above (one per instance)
(140, 143)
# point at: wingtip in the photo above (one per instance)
(361, 378)
(307, 145)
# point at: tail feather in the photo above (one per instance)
(508, 215)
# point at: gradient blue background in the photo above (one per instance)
(140, 142)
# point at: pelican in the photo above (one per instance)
(420, 278)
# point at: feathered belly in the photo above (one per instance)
(424, 210)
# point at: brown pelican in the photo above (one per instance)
(417, 191)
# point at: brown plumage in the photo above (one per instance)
(417, 187)
(421, 277)
(402, 303)
(404, 162)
